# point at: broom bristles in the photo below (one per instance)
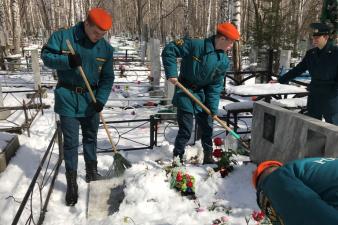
(118, 167)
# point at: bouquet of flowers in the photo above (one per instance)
(224, 158)
(182, 182)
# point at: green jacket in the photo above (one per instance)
(97, 63)
(202, 71)
(304, 192)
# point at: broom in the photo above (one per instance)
(215, 117)
(120, 163)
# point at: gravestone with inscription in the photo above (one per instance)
(284, 135)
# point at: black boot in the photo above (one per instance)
(178, 160)
(208, 158)
(91, 171)
(71, 195)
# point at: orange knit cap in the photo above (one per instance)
(261, 167)
(228, 30)
(101, 18)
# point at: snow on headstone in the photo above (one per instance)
(3, 113)
(262, 64)
(253, 58)
(285, 57)
(285, 135)
(36, 69)
(148, 50)
(155, 63)
(143, 51)
(169, 91)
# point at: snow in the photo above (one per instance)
(31, 47)
(264, 89)
(148, 197)
(239, 105)
(290, 102)
(14, 56)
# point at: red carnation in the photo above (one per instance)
(218, 141)
(179, 177)
(258, 216)
(189, 184)
(217, 153)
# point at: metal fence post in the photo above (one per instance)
(40, 98)
(152, 126)
(26, 117)
(60, 142)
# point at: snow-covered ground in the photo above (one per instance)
(148, 197)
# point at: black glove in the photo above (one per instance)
(98, 106)
(74, 60)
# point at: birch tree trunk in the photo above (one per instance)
(8, 15)
(222, 9)
(236, 47)
(52, 15)
(139, 6)
(64, 7)
(71, 21)
(209, 18)
(44, 16)
(77, 12)
(162, 29)
(186, 18)
(16, 26)
(298, 24)
(3, 38)
(31, 15)
(57, 14)
(216, 11)
(3, 26)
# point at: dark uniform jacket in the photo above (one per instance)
(97, 63)
(302, 192)
(202, 71)
(323, 89)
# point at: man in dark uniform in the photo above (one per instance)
(302, 192)
(203, 67)
(322, 64)
(72, 99)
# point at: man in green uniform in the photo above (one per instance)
(322, 64)
(302, 192)
(203, 67)
(72, 99)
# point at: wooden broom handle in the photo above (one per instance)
(215, 117)
(83, 75)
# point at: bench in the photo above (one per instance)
(235, 109)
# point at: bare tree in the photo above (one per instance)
(3, 38)
(141, 10)
(16, 26)
(71, 21)
(186, 18)
(272, 23)
(236, 47)
(209, 18)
